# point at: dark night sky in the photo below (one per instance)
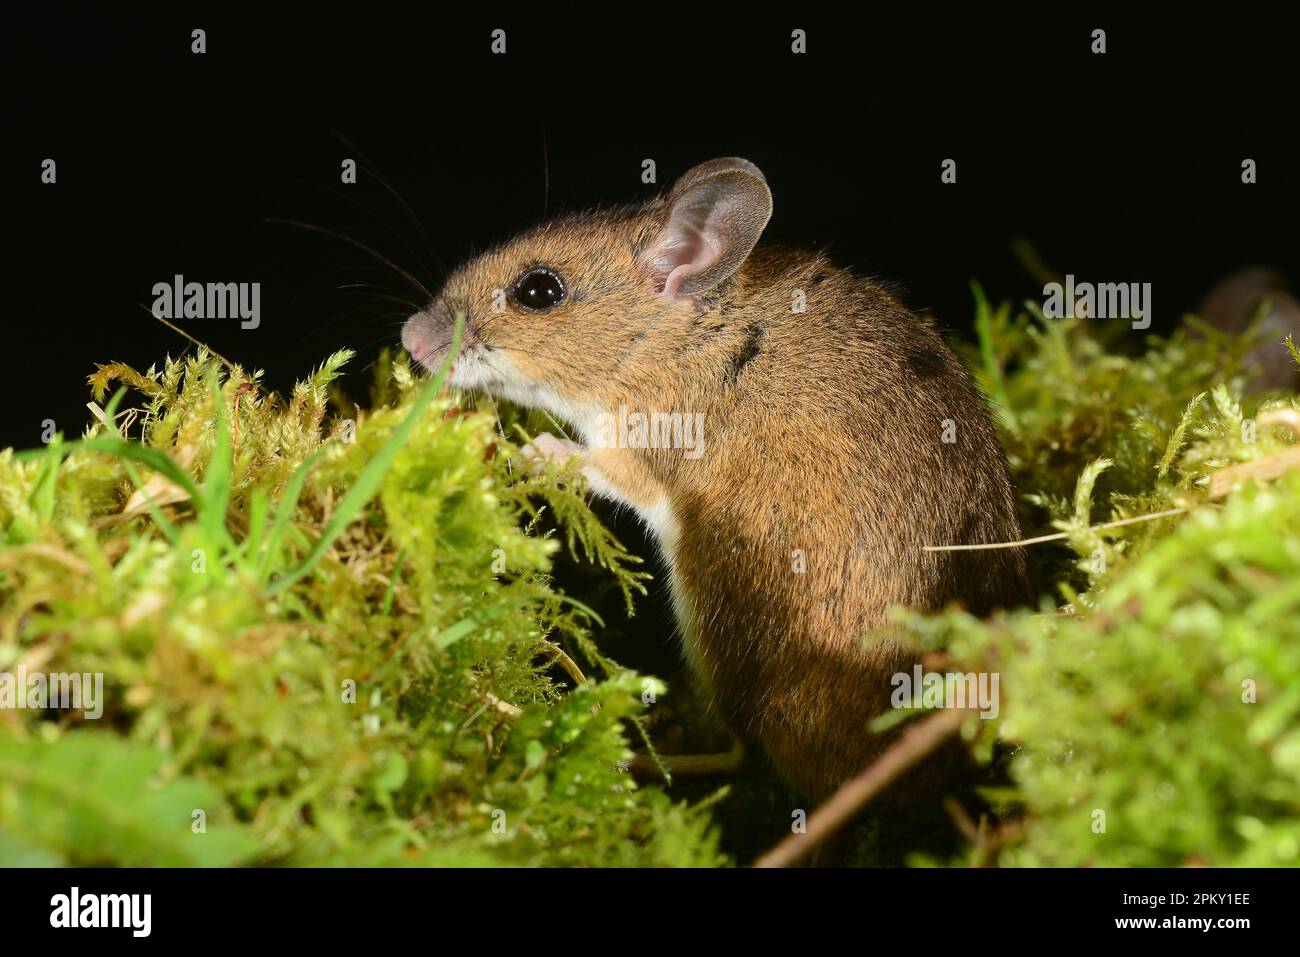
(1123, 167)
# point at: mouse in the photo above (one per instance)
(833, 434)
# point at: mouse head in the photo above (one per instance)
(575, 311)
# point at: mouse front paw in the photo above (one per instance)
(546, 448)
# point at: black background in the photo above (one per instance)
(1121, 167)
(984, 908)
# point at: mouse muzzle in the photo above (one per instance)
(427, 337)
(427, 334)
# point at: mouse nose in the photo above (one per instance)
(427, 334)
(417, 337)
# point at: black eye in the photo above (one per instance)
(539, 289)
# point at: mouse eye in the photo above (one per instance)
(539, 289)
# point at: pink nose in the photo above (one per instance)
(416, 338)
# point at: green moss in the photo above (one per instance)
(1155, 717)
(333, 638)
(334, 631)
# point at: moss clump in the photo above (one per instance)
(1154, 717)
(335, 638)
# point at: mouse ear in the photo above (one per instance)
(716, 212)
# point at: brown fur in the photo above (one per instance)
(823, 434)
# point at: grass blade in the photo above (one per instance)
(372, 476)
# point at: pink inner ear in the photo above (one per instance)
(684, 252)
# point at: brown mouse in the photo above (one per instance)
(840, 435)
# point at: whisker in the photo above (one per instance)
(392, 319)
(346, 196)
(374, 171)
(362, 246)
(379, 292)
